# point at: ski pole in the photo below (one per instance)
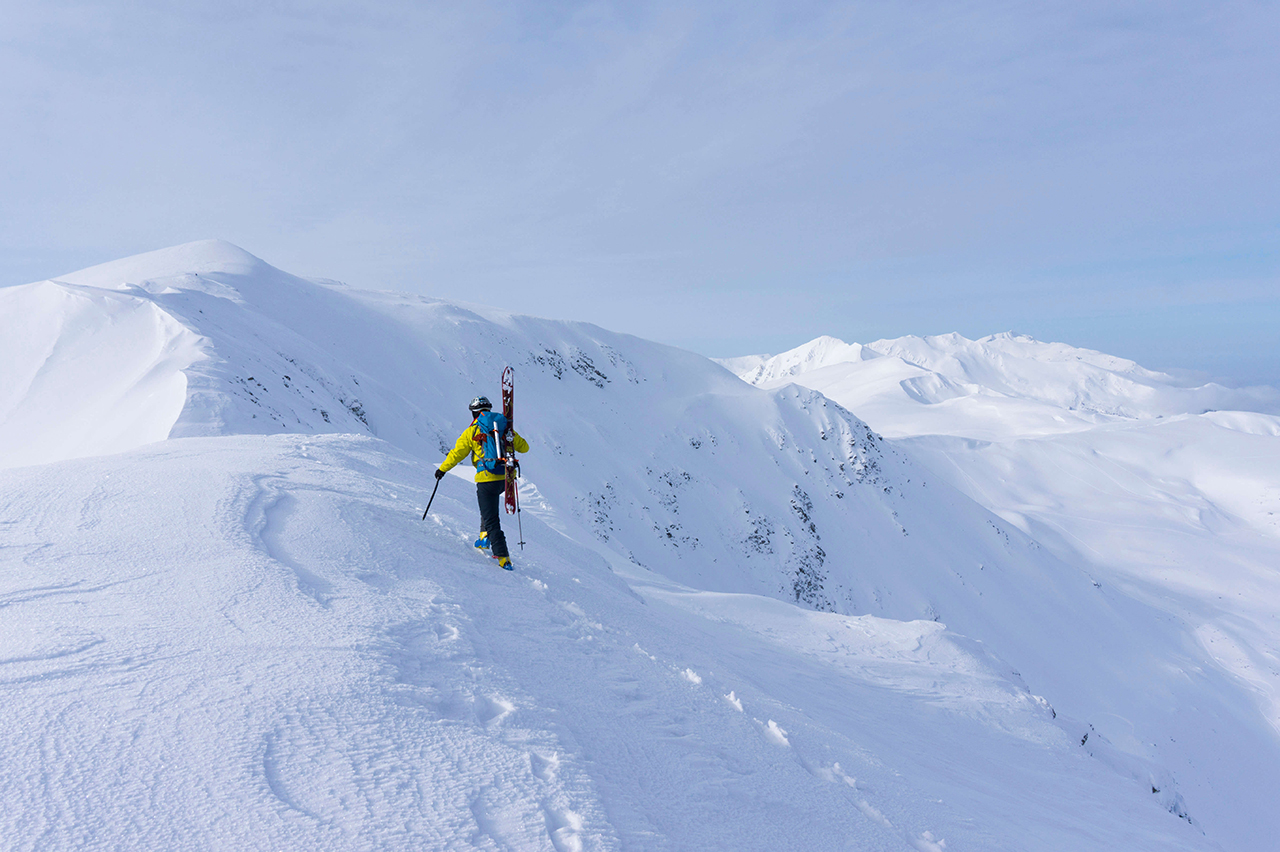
(519, 523)
(433, 496)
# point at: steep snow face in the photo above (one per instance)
(87, 371)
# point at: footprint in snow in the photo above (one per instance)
(564, 828)
(924, 842)
(545, 766)
(460, 706)
(492, 709)
(775, 734)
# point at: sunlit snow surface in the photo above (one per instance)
(1166, 489)
(742, 619)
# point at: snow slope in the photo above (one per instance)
(245, 636)
(309, 666)
(121, 359)
(1127, 471)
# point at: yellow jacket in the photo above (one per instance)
(467, 443)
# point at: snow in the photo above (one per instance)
(120, 359)
(1000, 387)
(742, 620)
(311, 666)
(1135, 476)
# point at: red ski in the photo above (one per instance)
(508, 439)
(509, 449)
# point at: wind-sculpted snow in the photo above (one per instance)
(743, 620)
(87, 371)
(172, 680)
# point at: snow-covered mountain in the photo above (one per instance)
(654, 453)
(1166, 489)
(1004, 385)
(743, 619)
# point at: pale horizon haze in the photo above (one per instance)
(733, 180)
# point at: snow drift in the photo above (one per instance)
(120, 360)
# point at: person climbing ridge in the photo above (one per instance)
(480, 440)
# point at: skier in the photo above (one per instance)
(491, 476)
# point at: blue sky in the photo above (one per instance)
(732, 178)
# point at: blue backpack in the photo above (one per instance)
(486, 424)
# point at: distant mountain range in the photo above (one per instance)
(1004, 384)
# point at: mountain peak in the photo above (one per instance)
(1010, 335)
(194, 258)
(820, 352)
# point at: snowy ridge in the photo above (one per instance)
(1069, 377)
(280, 354)
(1038, 388)
(1122, 470)
(375, 683)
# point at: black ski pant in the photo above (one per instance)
(489, 495)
